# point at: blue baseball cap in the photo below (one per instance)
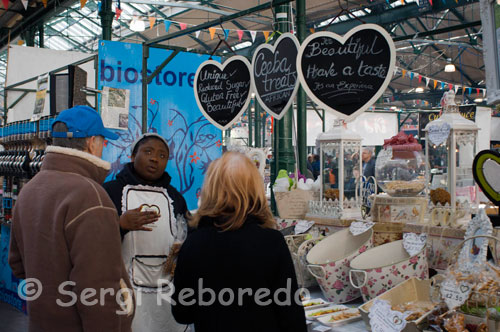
(82, 121)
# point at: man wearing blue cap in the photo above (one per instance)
(65, 234)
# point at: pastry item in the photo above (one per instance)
(343, 315)
(417, 309)
(404, 187)
(455, 323)
(440, 196)
(332, 194)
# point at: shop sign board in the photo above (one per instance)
(347, 74)
(274, 71)
(172, 113)
(222, 92)
(467, 111)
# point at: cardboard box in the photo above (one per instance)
(409, 291)
(294, 204)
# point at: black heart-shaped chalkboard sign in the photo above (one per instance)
(223, 91)
(274, 71)
(347, 74)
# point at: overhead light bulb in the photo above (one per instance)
(478, 100)
(419, 90)
(137, 25)
(450, 67)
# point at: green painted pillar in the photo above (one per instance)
(285, 156)
(250, 126)
(107, 15)
(264, 128)
(29, 37)
(301, 94)
(41, 35)
(258, 141)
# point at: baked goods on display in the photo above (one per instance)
(417, 309)
(332, 194)
(441, 196)
(400, 166)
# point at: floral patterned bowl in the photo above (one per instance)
(381, 268)
(329, 262)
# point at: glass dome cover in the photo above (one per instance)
(400, 166)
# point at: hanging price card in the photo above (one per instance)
(359, 227)
(455, 294)
(383, 319)
(414, 243)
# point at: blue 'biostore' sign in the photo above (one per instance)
(172, 112)
(131, 75)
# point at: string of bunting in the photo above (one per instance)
(212, 30)
(435, 82)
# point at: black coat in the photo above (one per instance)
(127, 176)
(249, 258)
(369, 169)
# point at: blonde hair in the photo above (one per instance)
(233, 189)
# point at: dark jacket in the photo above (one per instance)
(369, 168)
(128, 176)
(251, 258)
(65, 228)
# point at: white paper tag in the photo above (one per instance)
(383, 319)
(438, 133)
(455, 294)
(303, 226)
(413, 243)
(359, 227)
(322, 328)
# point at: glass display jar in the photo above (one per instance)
(400, 170)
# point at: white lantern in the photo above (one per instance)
(340, 166)
(459, 136)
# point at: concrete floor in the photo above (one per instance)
(11, 319)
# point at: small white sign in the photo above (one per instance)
(303, 226)
(359, 227)
(438, 133)
(453, 293)
(322, 328)
(115, 105)
(383, 319)
(413, 243)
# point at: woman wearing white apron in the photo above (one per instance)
(150, 208)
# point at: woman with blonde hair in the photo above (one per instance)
(234, 272)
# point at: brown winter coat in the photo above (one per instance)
(65, 229)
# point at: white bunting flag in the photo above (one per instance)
(253, 34)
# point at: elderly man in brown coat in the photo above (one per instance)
(66, 237)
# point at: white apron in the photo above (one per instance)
(144, 254)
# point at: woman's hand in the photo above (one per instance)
(134, 220)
